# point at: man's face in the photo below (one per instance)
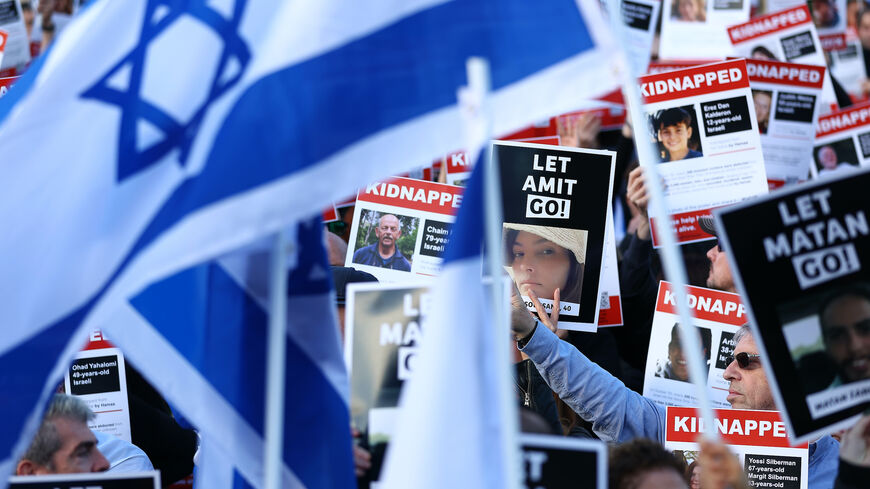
(688, 10)
(846, 329)
(720, 271)
(762, 106)
(823, 13)
(675, 138)
(388, 231)
(678, 360)
(864, 30)
(78, 451)
(828, 157)
(748, 388)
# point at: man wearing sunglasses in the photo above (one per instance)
(845, 320)
(619, 414)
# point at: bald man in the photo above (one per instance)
(384, 253)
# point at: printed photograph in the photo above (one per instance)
(675, 131)
(762, 99)
(835, 157)
(674, 365)
(689, 10)
(385, 240)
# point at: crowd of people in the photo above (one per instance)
(573, 384)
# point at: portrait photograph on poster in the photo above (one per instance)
(798, 261)
(675, 130)
(385, 240)
(556, 203)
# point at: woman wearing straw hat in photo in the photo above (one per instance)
(542, 259)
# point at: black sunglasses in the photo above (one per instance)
(744, 360)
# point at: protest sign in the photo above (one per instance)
(610, 306)
(554, 462)
(847, 66)
(457, 168)
(666, 65)
(401, 228)
(330, 214)
(842, 142)
(786, 99)
(383, 330)
(97, 376)
(697, 28)
(16, 49)
(556, 204)
(639, 18)
(717, 316)
(757, 438)
(786, 35)
(6, 84)
(702, 121)
(797, 258)
(829, 16)
(133, 480)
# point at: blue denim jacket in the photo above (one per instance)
(619, 414)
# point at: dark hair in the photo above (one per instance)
(847, 291)
(674, 116)
(704, 333)
(630, 461)
(689, 471)
(764, 51)
(574, 282)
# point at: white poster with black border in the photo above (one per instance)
(757, 438)
(717, 316)
(556, 202)
(133, 480)
(384, 325)
(786, 98)
(789, 36)
(401, 228)
(703, 123)
(557, 462)
(797, 259)
(696, 29)
(842, 142)
(97, 376)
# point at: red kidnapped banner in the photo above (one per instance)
(762, 26)
(785, 73)
(717, 77)
(737, 427)
(844, 120)
(712, 305)
(414, 194)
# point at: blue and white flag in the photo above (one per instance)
(201, 335)
(158, 134)
(450, 431)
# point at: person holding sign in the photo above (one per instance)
(384, 253)
(620, 414)
(545, 261)
(674, 129)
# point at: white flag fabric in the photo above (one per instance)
(156, 135)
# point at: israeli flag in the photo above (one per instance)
(159, 134)
(450, 431)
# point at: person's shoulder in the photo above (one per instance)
(364, 250)
(693, 154)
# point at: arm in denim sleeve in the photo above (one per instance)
(616, 412)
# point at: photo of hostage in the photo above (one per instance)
(845, 321)
(674, 129)
(676, 367)
(762, 100)
(545, 262)
(762, 53)
(825, 13)
(384, 252)
(689, 10)
(829, 159)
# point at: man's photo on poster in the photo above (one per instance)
(762, 99)
(385, 240)
(541, 259)
(676, 133)
(829, 339)
(835, 157)
(689, 10)
(674, 365)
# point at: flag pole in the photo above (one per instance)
(479, 83)
(276, 360)
(672, 260)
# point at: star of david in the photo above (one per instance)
(173, 134)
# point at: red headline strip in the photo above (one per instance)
(713, 305)
(686, 226)
(667, 66)
(737, 427)
(764, 25)
(414, 194)
(712, 78)
(833, 42)
(760, 70)
(844, 120)
(457, 162)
